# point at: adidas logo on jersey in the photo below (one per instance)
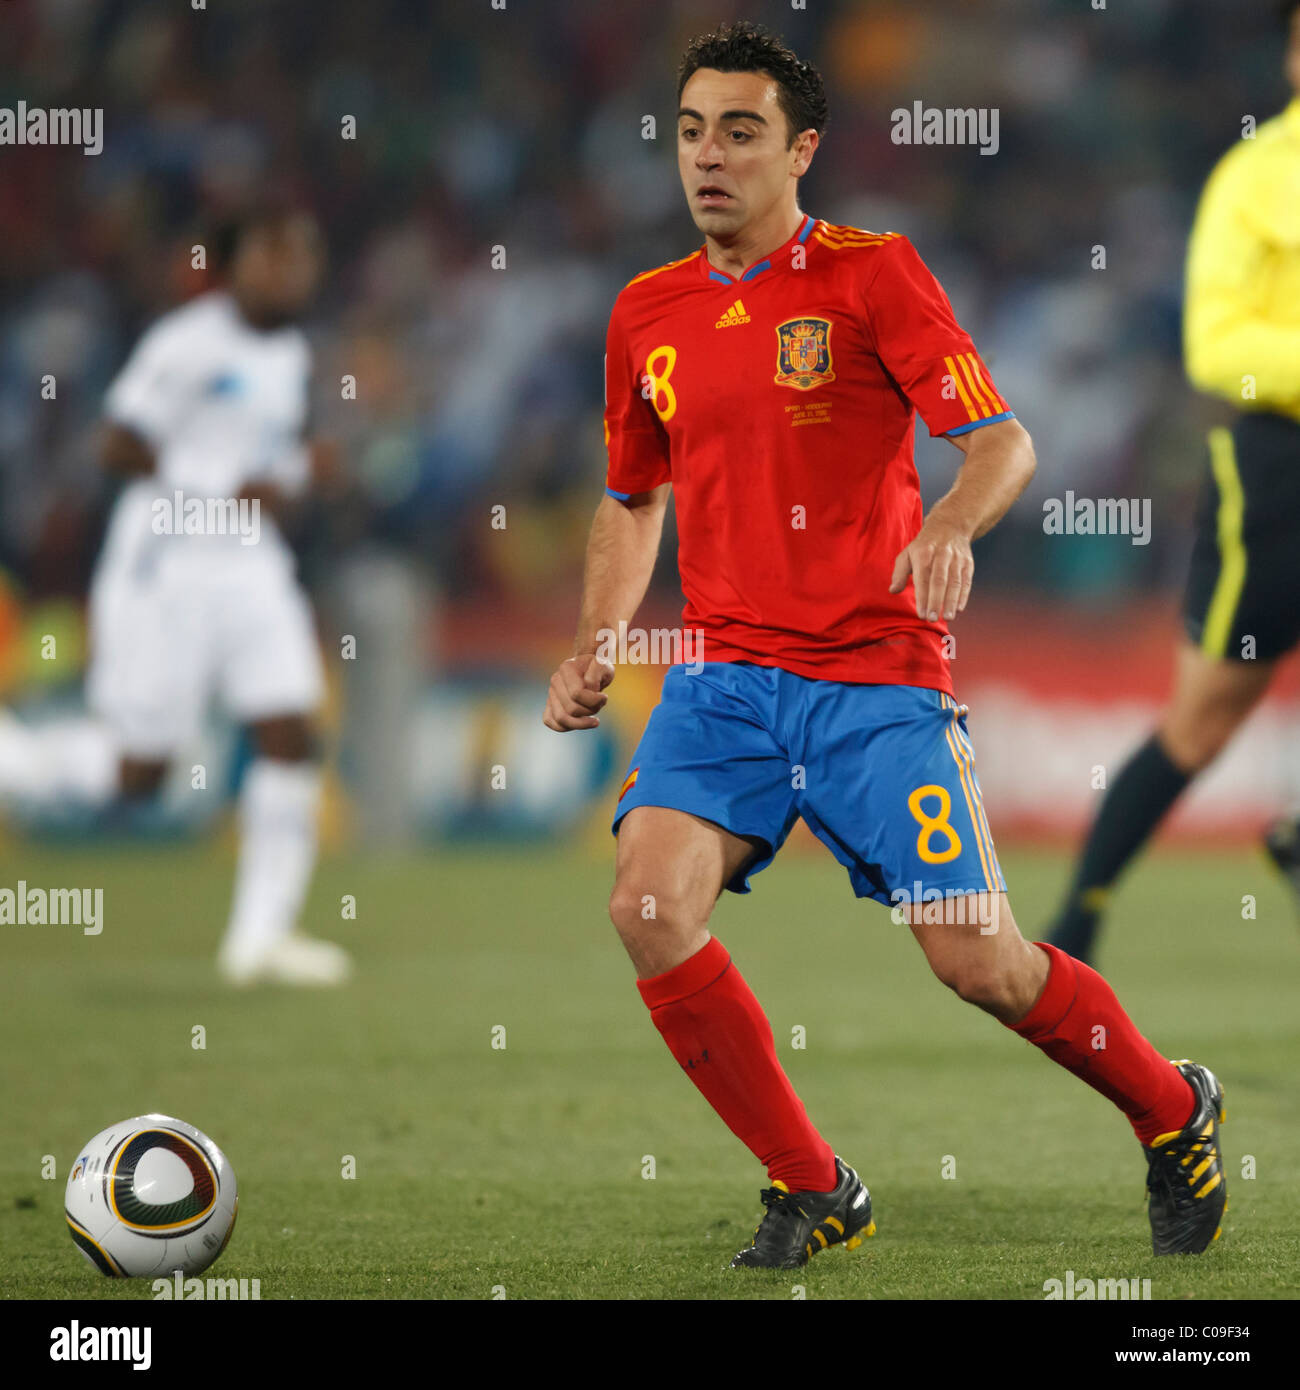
(735, 315)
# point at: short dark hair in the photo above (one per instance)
(747, 47)
(228, 233)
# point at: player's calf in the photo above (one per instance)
(279, 804)
(671, 868)
(1066, 1010)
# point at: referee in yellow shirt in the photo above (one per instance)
(1241, 609)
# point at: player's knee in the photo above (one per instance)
(1197, 731)
(984, 983)
(1194, 744)
(638, 911)
(632, 911)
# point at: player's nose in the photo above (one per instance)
(708, 154)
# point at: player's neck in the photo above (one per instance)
(753, 241)
(259, 319)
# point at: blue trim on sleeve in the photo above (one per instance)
(618, 496)
(976, 424)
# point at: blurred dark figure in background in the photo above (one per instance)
(1240, 608)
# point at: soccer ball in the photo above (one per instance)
(149, 1196)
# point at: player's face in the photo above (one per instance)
(731, 149)
(278, 268)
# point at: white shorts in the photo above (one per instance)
(167, 640)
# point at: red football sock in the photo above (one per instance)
(1079, 1023)
(720, 1036)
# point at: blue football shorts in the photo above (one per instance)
(883, 775)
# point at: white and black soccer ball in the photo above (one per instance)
(149, 1196)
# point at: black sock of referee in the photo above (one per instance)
(1147, 786)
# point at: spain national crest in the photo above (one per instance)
(803, 358)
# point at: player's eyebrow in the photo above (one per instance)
(726, 115)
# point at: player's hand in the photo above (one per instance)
(266, 494)
(942, 567)
(576, 695)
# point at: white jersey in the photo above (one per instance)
(222, 405)
(179, 614)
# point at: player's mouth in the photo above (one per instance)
(711, 196)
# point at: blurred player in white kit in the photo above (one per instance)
(195, 594)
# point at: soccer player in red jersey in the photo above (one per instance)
(772, 379)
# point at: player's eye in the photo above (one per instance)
(744, 134)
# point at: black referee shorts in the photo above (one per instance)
(1243, 593)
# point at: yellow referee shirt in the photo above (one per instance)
(1241, 327)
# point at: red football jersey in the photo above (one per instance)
(780, 405)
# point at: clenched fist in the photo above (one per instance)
(576, 693)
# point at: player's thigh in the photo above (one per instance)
(1211, 698)
(709, 753)
(147, 670)
(288, 738)
(270, 666)
(890, 788)
(671, 866)
(1239, 608)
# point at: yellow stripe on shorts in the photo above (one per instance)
(1232, 548)
(964, 739)
(971, 793)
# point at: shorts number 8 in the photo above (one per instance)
(930, 825)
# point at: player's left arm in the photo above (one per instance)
(323, 473)
(313, 465)
(919, 341)
(147, 399)
(998, 466)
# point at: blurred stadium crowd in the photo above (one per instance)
(521, 128)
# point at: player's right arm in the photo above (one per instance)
(621, 553)
(624, 540)
(143, 404)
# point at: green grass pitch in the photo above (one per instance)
(483, 1170)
